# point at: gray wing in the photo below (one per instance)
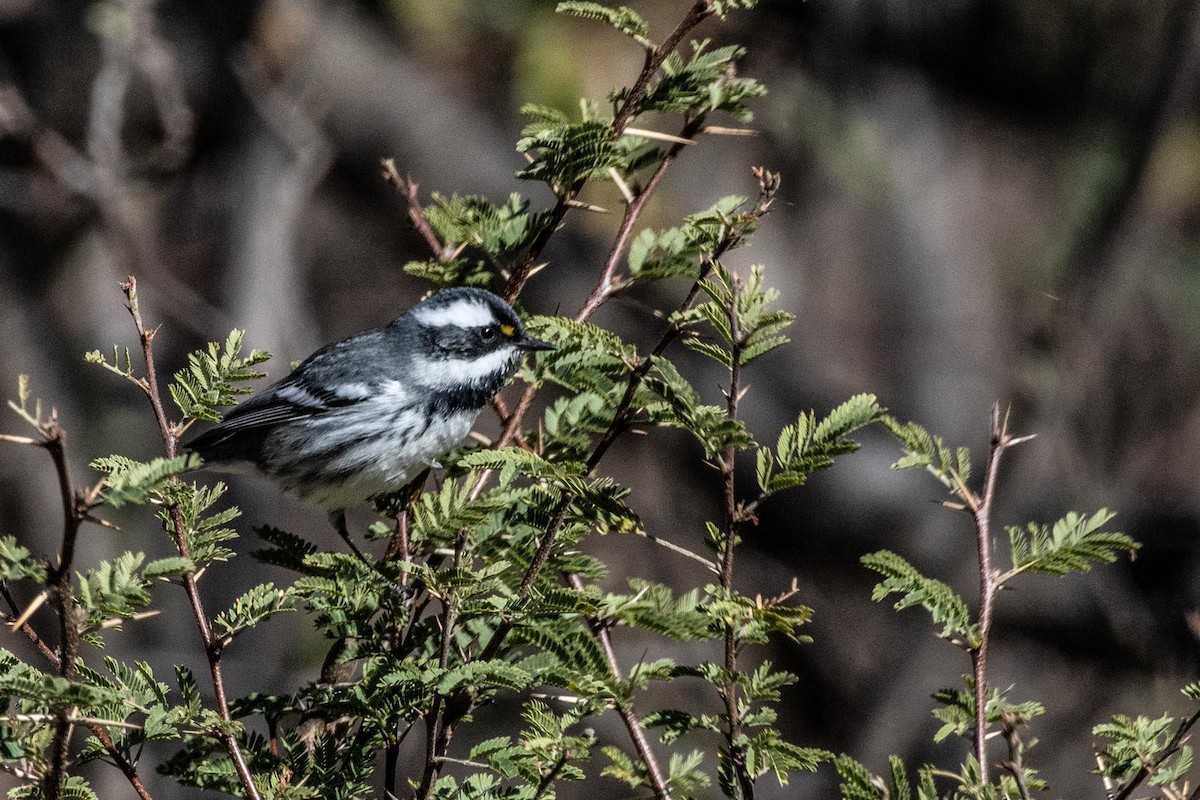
(336, 376)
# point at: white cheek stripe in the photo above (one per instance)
(458, 371)
(463, 313)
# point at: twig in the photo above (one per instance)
(744, 789)
(548, 779)
(633, 212)
(654, 772)
(212, 644)
(1016, 758)
(438, 733)
(58, 584)
(407, 187)
(127, 768)
(980, 507)
(1168, 751)
(700, 11)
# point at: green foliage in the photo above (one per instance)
(943, 604)
(1140, 742)
(566, 152)
(925, 451)
(255, 606)
(204, 532)
(705, 82)
(810, 446)
(129, 482)
(957, 710)
(484, 589)
(859, 784)
(75, 788)
(680, 251)
(1071, 545)
(119, 589)
(681, 408)
(738, 313)
(624, 19)
(17, 563)
(500, 232)
(213, 377)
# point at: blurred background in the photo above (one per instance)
(983, 200)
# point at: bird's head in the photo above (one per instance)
(467, 337)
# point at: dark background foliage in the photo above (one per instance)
(982, 199)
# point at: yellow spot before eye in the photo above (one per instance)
(507, 330)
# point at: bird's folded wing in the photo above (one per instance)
(288, 401)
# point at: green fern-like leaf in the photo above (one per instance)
(17, 563)
(129, 482)
(809, 446)
(943, 604)
(1071, 545)
(257, 605)
(681, 408)
(213, 378)
(704, 83)
(565, 154)
(1139, 741)
(623, 19)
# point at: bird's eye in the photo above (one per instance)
(488, 334)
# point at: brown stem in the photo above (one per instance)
(447, 713)
(1168, 751)
(548, 779)
(407, 187)
(633, 212)
(1016, 758)
(654, 772)
(212, 644)
(744, 789)
(988, 585)
(58, 584)
(125, 765)
(438, 734)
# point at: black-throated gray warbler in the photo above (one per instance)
(362, 417)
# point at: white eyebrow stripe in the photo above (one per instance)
(462, 313)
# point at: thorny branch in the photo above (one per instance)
(633, 725)
(700, 11)
(1015, 765)
(447, 711)
(980, 507)
(212, 643)
(744, 789)
(76, 506)
(1148, 768)
(58, 583)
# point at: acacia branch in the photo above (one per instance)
(744, 789)
(633, 212)
(439, 730)
(989, 583)
(407, 187)
(58, 584)
(212, 644)
(655, 56)
(1016, 758)
(125, 765)
(1148, 768)
(633, 725)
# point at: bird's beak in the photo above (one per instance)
(530, 344)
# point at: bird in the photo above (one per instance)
(362, 417)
